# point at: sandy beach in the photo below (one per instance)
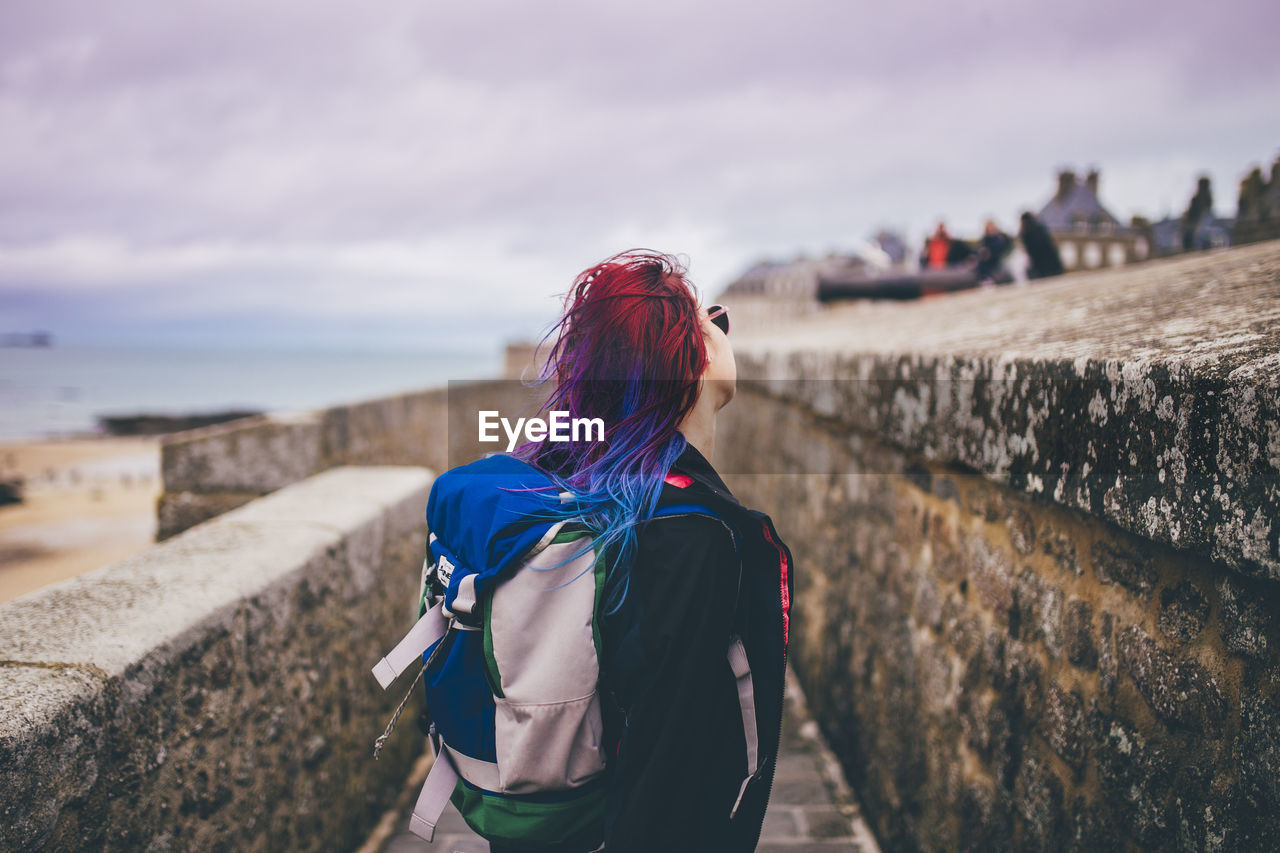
(87, 502)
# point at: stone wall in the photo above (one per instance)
(1036, 543)
(213, 693)
(211, 470)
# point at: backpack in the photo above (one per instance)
(509, 640)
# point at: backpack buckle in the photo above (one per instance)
(464, 608)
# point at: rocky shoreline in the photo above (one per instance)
(157, 424)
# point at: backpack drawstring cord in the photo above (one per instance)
(382, 739)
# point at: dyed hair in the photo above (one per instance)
(629, 350)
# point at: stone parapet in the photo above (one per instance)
(1035, 536)
(999, 672)
(210, 470)
(213, 693)
(253, 455)
(1149, 397)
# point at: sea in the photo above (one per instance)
(61, 391)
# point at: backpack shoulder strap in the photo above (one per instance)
(737, 653)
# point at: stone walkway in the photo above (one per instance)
(811, 809)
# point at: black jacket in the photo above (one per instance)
(1042, 252)
(672, 710)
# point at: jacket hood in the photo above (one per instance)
(486, 516)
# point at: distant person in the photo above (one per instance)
(1193, 236)
(960, 253)
(992, 249)
(1042, 252)
(937, 249)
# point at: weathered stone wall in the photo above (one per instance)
(211, 470)
(999, 673)
(214, 692)
(1036, 543)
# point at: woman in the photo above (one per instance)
(635, 349)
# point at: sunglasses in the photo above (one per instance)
(719, 315)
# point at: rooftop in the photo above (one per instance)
(1076, 201)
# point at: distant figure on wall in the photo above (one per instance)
(1201, 206)
(992, 249)
(942, 251)
(1042, 252)
(936, 249)
(960, 253)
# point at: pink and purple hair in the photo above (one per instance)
(629, 350)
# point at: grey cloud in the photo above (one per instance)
(556, 128)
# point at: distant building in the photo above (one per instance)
(774, 278)
(37, 340)
(1258, 215)
(798, 279)
(1088, 236)
(1212, 232)
(772, 293)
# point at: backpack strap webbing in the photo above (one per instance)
(440, 783)
(426, 631)
(434, 796)
(747, 706)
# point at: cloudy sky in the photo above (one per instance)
(417, 174)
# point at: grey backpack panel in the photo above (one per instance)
(548, 726)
